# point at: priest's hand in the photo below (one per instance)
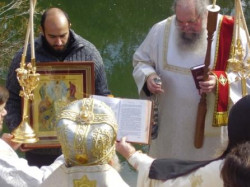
(7, 138)
(207, 86)
(154, 84)
(125, 148)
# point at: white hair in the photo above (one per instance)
(200, 5)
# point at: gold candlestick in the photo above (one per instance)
(28, 80)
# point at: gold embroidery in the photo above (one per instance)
(84, 182)
(86, 113)
(229, 17)
(101, 143)
(167, 66)
(87, 116)
(80, 143)
(217, 44)
(89, 137)
(196, 180)
(223, 80)
(219, 119)
(177, 69)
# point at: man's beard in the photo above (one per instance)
(56, 52)
(191, 41)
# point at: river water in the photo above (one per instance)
(116, 28)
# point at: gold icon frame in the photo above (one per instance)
(60, 83)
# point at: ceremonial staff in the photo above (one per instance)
(202, 107)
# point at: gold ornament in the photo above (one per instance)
(87, 131)
(236, 62)
(28, 80)
(84, 182)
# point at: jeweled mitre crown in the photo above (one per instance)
(87, 131)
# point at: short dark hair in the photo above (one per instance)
(236, 169)
(44, 15)
(4, 95)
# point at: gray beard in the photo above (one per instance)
(195, 42)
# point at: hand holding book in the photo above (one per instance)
(196, 72)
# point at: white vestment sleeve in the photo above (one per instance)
(141, 162)
(15, 171)
(206, 176)
(47, 170)
(146, 56)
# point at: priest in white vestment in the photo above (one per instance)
(170, 49)
(180, 173)
(15, 171)
(87, 131)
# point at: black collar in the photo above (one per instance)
(164, 169)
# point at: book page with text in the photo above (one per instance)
(134, 120)
(133, 117)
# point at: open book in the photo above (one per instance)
(133, 117)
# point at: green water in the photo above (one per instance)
(116, 28)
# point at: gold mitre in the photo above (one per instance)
(87, 131)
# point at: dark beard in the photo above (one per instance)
(51, 50)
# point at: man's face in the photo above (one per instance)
(188, 23)
(192, 25)
(3, 113)
(57, 35)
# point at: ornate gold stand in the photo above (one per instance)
(28, 80)
(24, 133)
